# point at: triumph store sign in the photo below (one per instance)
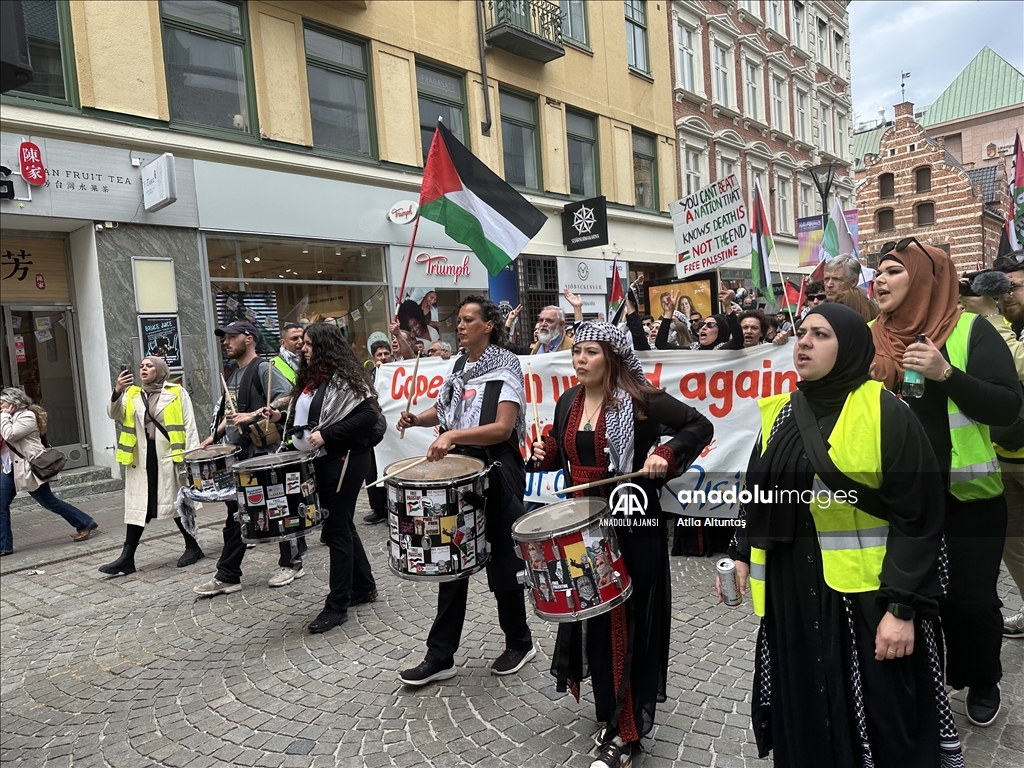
(447, 269)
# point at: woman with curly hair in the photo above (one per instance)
(334, 409)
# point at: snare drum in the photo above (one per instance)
(436, 519)
(277, 498)
(574, 567)
(209, 469)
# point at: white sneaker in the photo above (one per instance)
(1013, 625)
(216, 587)
(285, 576)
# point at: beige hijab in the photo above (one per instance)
(152, 390)
(932, 307)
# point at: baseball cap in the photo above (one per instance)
(238, 327)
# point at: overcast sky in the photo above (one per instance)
(932, 40)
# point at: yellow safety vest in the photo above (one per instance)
(973, 470)
(286, 370)
(173, 419)
(852, 541)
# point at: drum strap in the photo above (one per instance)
(489, 408)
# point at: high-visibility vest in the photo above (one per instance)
(286, 370)
(852, 541)
(973, 469)
(173, 421)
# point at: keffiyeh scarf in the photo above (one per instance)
(618, 420)
(495, 364)
(292, 358)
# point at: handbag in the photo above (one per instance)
(46, 465)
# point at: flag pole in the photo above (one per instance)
(408, 261)
(799, 300)
(782, 279)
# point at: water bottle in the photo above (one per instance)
(913, 381)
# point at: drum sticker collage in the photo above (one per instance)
(426, 540)
(585, 565)
(278, 507)
(213, 475)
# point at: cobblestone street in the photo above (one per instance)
(137, 672)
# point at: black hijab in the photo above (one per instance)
(724, 332)
(784, 464)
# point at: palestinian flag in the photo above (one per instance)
(791, 302)
(761, 245)
(475, 206)
(617, 296)
(1016, 231)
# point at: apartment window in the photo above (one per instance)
(47, 31)
(581, 132)
(886, 186)
(644, 176)
(636, 35)
(440, 95)
(775, 15)
(923, 177)
(784, 197)
(686, 57)
(925, 214)
(542, 289)
(721, 75)
(841, 139)
(837, 53)
(805, 201)
(339, 92)
(801, 115)
(886, 220)
(822, 42)
(780, 119)
(206, 57)
(693, 171)
(574, 21)
(799, 19)
(750, 6)
(519, 140)
(826, 128)
(726, 166)
(752, 74)
(757, 176)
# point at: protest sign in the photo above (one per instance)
(724, 386)
(711, 226)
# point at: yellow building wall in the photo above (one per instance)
(279, 74)
(119, 57)
(397, 114)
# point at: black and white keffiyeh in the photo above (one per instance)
(495, 364)
(618, 421)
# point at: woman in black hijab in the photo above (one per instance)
(843, 567)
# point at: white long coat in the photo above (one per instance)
(136, 484)
(22, 431)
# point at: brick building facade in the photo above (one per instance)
(762, 89)
(914, 186)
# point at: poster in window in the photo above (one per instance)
(161, 338)
(698, 294)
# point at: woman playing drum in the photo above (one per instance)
(480, 412)
(335, 409)
(607, 425)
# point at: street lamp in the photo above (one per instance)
(824, 176)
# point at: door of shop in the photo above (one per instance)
(39, 355)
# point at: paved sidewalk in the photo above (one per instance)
(137, 672)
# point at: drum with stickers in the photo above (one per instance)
(208, 470)
(574, 568)
(277, 497)
(436, 518)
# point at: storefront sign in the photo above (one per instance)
(711, 226)
(403, 212)
(585, 224)
(31, 161)
(583, 275)
(159, 185)
(594, 305)
(438, 269)
(33, 270)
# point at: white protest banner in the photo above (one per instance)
(711, 226)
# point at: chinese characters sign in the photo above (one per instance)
(33, 270)
(31, 160)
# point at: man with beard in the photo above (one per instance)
(551, 335)
(287, 359)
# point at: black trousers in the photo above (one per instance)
(229, 567)
(378, 496)
(971, 620)
(350, 568)
(446, 631)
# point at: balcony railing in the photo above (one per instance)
(528, 28)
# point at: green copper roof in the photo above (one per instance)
(988, 82)
(867, 143)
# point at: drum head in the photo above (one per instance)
(212, 452)
(272, 461)
(560, 517)
(449, 468)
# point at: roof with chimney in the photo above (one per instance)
(988, 83)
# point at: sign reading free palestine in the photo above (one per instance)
(711, 226)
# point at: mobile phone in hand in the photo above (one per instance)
(125, 367)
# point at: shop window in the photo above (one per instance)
(207, 61)
(440, 95)
(886, 186)
(645, 178)
(925, 214)
(519, 140)
(339, 92)
(574, 21)
(581, 135)
(636, 35)
(274, 282)
(886, 220)
(923, 179)
(48, 29)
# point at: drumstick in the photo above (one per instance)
(398, 471)
(596, 483)
(344, 469)
(227, 395)
(533, 397)
(412, 389)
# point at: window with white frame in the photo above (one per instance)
(574, 21)
(801, 115)
(825, 139)
(751, 90)
(784, 202)
(693, 169)
(823, 42)
(726, 165)
(750, 6)
(837, 53)
(841, 135)
(776, 18)
(687, 56)
(780, 108)
(799, 23)
(757, 177)
(722, 54)
(806, 201)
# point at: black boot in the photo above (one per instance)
(193, 552)
(126, 562)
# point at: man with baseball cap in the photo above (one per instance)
(247, 385)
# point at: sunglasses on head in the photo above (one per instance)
(902, 245)
(817, 297)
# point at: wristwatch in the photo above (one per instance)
(902, 612)
(946, 373)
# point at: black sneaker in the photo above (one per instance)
(427, 672)
(511, 661)
(983, 704)
(375, 517)
(614, 754)
(327, 620)
(364, 597)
